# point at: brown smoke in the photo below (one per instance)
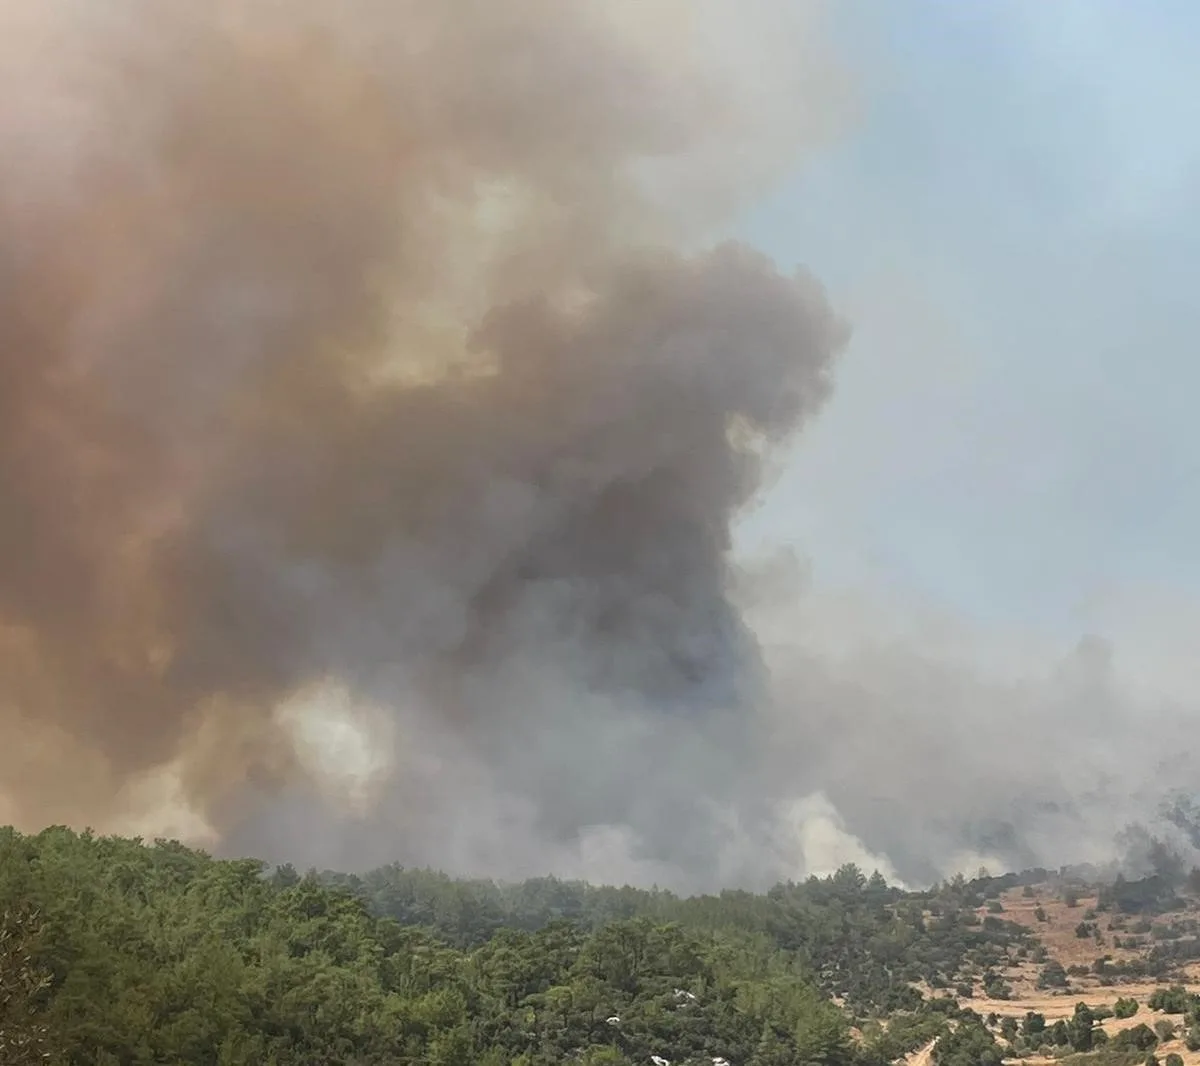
(360, 342)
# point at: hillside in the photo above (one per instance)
(114, 952)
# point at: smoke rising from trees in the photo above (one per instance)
(375, 410)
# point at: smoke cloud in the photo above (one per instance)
(364, 366)
(377, 401)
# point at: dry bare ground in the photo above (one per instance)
(1057, 934)
(922, 1056)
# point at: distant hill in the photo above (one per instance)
(119, 953)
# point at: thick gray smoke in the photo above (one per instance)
(356, 380)
(375, 411)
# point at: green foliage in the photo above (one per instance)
(995, 987)
(1173, 1000)
(161, 954)
(864, 942)
(1081, 1030)
(1125, 1007)
(1052, 976)
(1106, 1056)
(971, 1044)
(24, 1034)
(1033, 1025)
(1138, 1038)
(1166, 1030)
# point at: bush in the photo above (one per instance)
(1173, 1000)
(1033, 1025)
(1052, 976)
(1136, 1038)
(1125, 1008)
(971, 1044)
(997, 988)
(1173, 1059)
(1165, 1030)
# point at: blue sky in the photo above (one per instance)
(1011, 226)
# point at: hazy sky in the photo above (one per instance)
(1011, 227)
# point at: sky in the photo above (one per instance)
(1010, 226)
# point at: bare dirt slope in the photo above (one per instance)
(1055, 921)
(922, 1056)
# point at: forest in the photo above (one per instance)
(116, 952)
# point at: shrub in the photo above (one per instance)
(1165, 1030)
(997, 988)
(1052, 976)
(1033, 1025)
(1136, 1038)
(1173, 1000)
(1125, 1008)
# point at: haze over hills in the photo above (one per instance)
(113, 951)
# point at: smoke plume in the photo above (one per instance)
(374, 411)
(377, 402)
